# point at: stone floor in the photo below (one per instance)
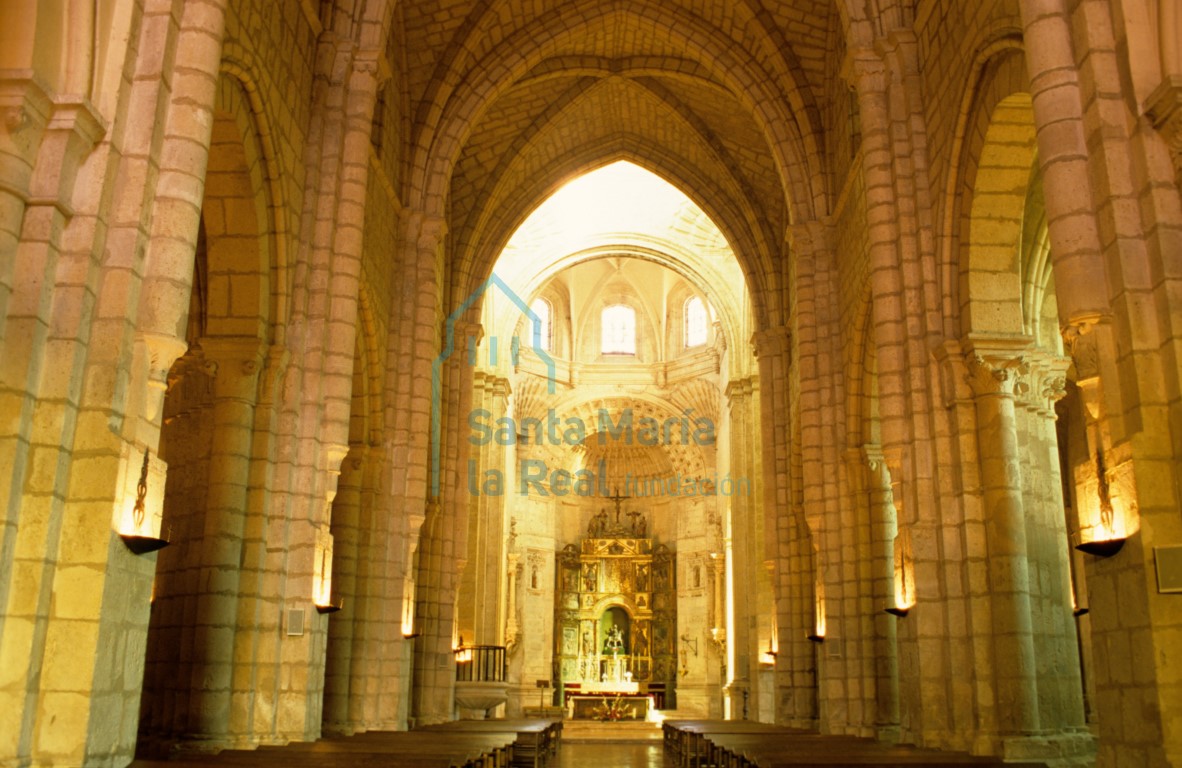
(600, 755)
(583, 731)
(583, 745)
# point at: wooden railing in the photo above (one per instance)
(480, 664)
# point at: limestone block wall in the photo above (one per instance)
(902, 390)
(88, 341)
(368, 646)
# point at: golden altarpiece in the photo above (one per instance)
(616, 615)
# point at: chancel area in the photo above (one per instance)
(377, 373)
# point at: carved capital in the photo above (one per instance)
(234, 363)
(740, 390)
(466, 337)
(423, 230)
(875, 464)
(334, 454)
(1164, 109)
(997, 364)
(1054, 388)
(52, 134)
(868, 71)
(1004, 377)
(366, 61)
(274, 368)
(1080, 340)
(24, 109)
(810, 237)
(1048, 383)
(161, 351)
(770, 342)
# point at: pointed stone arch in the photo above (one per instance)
(461, 94)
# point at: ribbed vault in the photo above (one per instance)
(510, 99)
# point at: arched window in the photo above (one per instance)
(619, 330)
(696, 322)
(545, 313)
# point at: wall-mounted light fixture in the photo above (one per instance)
(330, 607)
(1076, 609)
(769, 656)
(408, 610)
(463, 653)
(1106, 536)
(904, 575)
(718, 638)
(818, 634)
(1101, 547)
(322, 578)
(139, 530)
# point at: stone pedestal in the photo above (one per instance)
(476, 699)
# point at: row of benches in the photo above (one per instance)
(460, 744)
(535, 745)
(746, 744)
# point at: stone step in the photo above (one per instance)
(575, 731)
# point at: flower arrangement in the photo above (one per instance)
(611, 711)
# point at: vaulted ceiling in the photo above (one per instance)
(511, 98)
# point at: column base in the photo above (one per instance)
(1056, 751)
(209, 745)
(693, 701)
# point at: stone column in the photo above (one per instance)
(773, 350)
(234, 364)
(42, 144)
(344, 663)
(1164, 105)
(1059, 683)
(443, 548)
(434, 665)
(483, 579)
(1063, 155)
(512, 627)
(746, 552)
(883, 530)
(994, 377)
(412, 347)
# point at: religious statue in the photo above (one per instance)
(642, 577)
(590, 581)
(598, 525)
(639, 525)
(642, 640)
(615, 641)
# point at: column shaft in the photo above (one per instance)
(1015, 667)
(234, 364)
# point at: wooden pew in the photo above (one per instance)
(368, 750)
(536, 740)
(687, 741)
(741, 744)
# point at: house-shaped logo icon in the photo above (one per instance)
(449, 348)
